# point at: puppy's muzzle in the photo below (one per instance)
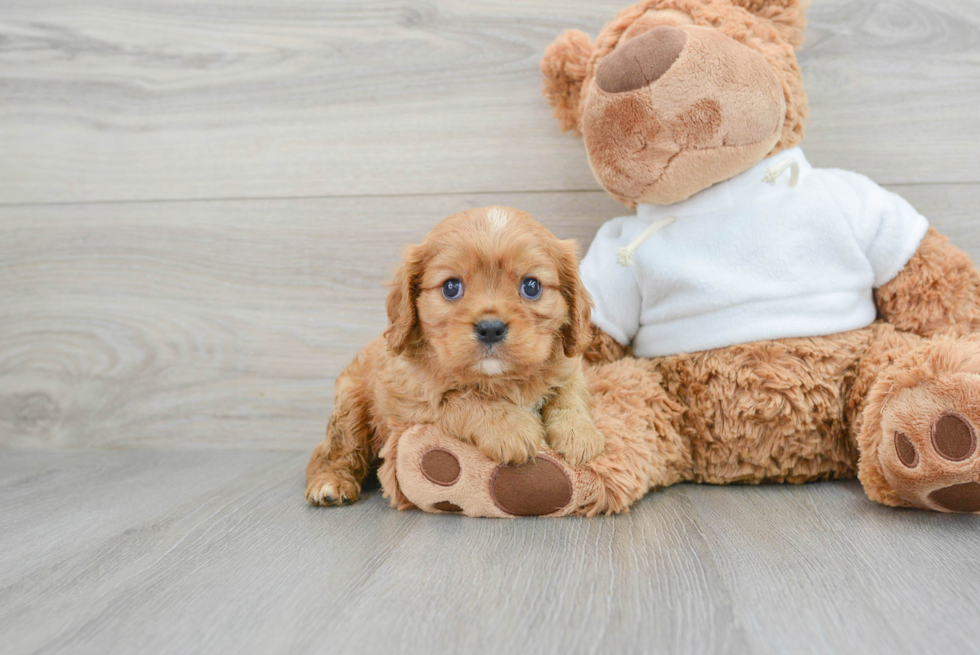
(490, 332)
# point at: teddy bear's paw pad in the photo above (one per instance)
(535, 488)
(441, 467)
(907, 453)
(959, 497)
(953, 437)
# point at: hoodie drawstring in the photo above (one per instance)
(624, 256)
(774, 173)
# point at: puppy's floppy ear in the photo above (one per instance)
(563, 66)
(576, 334)
(403, 317)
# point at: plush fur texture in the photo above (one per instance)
(508, 398)
(927, 381)
(663, 143)
(936, 292)
(564, 68)
(662, 147)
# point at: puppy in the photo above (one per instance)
(488, 321)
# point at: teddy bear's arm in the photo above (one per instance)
(937, 290)
(604, 349)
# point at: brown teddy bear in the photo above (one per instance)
(789, 323)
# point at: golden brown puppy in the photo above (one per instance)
(488, 323)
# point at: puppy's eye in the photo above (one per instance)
(452, 289)
(530, 288)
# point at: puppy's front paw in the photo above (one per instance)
(575, 437)
(514, 440)
(332, 488)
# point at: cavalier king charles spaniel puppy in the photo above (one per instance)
(488, 321)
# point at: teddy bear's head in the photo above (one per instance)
(677, 95)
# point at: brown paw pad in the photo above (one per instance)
(441, 467)
(446, 506)
(958, 498)
(906, 451)
(536, 488)
(953, 437)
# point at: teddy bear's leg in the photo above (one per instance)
(426, 468)
(917, 431)
(938, 290)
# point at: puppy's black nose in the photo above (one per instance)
(490, 332)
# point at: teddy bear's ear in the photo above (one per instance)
(789, 16)
(564, 65)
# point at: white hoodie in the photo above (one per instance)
(747, 261)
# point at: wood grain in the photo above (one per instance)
(225, 323)
(149, 555)
(820, 569)
(159, 99)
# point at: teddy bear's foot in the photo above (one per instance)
(929, 417)
(438, 473)
(935, 465)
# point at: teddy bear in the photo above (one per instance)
(755, 319)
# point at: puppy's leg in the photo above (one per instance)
(340, 462)
(503, 431)
(568, 421)
(335, 472)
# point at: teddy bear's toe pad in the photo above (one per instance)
(906, 451)
(953, 437)
(440, 467)
(958, 498)
(536, 488)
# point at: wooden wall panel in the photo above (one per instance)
(160, 99)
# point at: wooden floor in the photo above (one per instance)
(154, 552)
(200, 204)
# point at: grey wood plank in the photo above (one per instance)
(225, 323)
(241, 563)
(271, 543)
(643, 582)
(87, 497)
(160, 99)
(870, 66)
(820, 569)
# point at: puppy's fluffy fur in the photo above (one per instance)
(507, 398)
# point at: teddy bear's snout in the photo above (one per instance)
(641, 61)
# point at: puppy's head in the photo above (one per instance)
(489, 292)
